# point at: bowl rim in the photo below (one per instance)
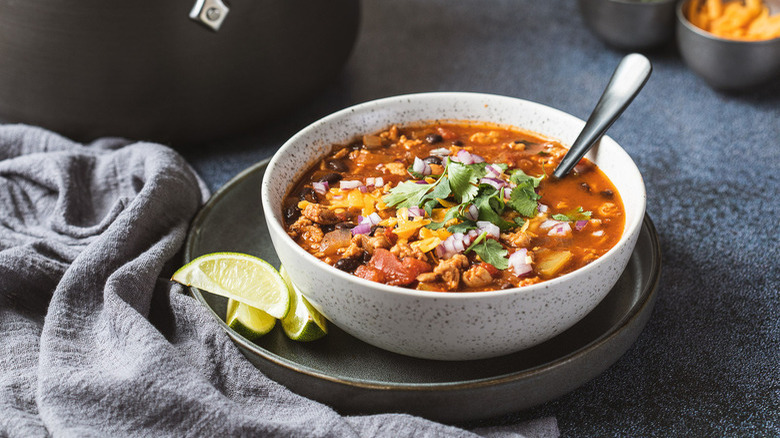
(275, 227)
(684, 21)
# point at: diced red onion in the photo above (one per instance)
(350, 184)
(463, 156)
(440, 152)
(363, 189)
(449, 245)
(454, 244)
(560, 229)
(361, 229)
(370, 220)
(370, 182)
(490, 228)
(542, 208)
(493, 171)
(472, 213)
(579, 225)
(416, 212)
(320, 187)
(421, 167)
(458, 244)
(549, 223)
(495, 182)
(473, 234)
(519, 263)
(466, 157)
(507, 192)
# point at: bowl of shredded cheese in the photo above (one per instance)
(732, 44)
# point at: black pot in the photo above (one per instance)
(144, 69)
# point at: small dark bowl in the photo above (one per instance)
(726, 64)
(630, 24)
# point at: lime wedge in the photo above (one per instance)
(242, 277)
(247, 321)
(303, 323)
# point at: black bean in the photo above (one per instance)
(349, 264)
(337, 165)
(457, 143)
(432, 160)
(607, 193)
(331, 178)
(291, 214)
(344, 226)
(366, 257)
(585, 186)
(433, 138)
(308, 194)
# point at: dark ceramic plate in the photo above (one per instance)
(354, 377)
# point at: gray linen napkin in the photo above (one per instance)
(93, 342)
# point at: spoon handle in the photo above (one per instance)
(629, 77)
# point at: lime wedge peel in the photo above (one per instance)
(247, 321)
(303, 323)
(241, 277)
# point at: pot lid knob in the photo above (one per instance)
(210, 13)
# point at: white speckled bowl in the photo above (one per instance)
(436, 325)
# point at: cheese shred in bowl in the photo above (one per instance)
(747, 20)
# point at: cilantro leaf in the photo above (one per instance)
(486, 211)
(462, 179)
(519, 177)
(574, 215)
(442, 189)
(490, 251)
(406, 194)
(523, 199)
(462, 227)
(428, 206)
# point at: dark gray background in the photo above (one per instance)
(707, 363)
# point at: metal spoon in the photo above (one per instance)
(629, 77)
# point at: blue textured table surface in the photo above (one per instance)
(708, 362)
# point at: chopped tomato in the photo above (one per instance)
(416, 266)
(369, 273)
(491, 269)
(395, 271)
